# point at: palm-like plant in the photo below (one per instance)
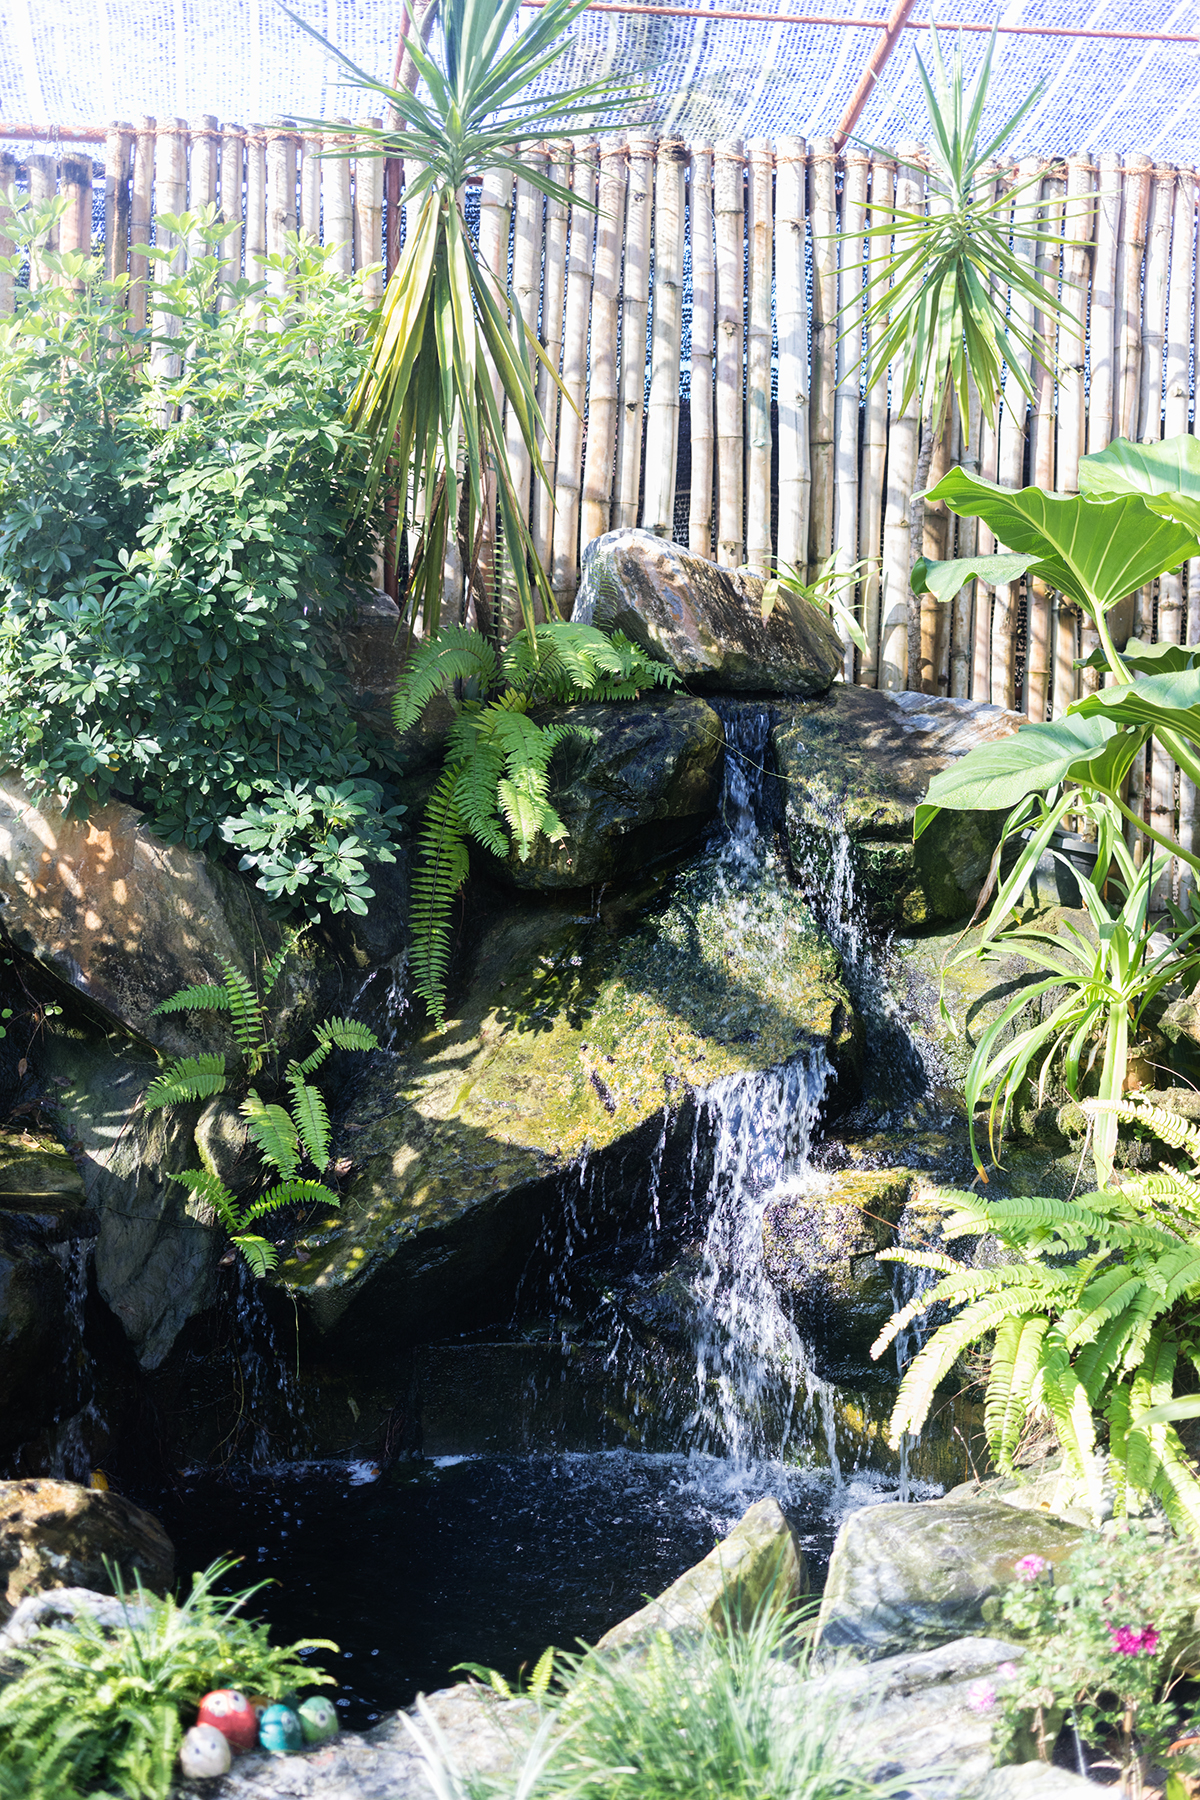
(444, 361)
(944, 274)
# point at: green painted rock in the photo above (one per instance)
(640, 790)
(860, 761)
(759, 1557)
(911, 1577)
(705, 621)
(577, 1038)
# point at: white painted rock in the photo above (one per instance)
(205, 1753)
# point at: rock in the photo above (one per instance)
(58, 1606)
(913, 1577)
(580, 1043)
(373, 645)
(54, 1534)
(123, 919)
(485, 1737)
(705, 621)
(44, 1237)
(819, 1245)
(859, 761)
(1034, 1781)
(36, 1167)
(759, 1557)
(639, 792)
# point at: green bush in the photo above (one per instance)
(104, 1711)
(179, 532)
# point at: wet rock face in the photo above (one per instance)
(703, 620)
(860, 761)
(911, 1577)
(643, 787)
(54, 1534)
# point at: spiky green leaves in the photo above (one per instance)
(186, 1078)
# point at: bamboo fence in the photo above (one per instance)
(709, 391)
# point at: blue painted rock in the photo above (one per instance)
(204, 1753)
(279, 1731)
(318, 1720)
(230, 1713)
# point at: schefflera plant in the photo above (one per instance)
(289, 1138)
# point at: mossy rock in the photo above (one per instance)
(570, 1074)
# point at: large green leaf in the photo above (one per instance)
(1160, 702)
(994, 777)
(1166, 475)
(1095, 551)
(945, 579)
(1147, 659)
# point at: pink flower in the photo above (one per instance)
(1030, 1567)
(1007, 1671)
(981, 1696)
(1128, 1641)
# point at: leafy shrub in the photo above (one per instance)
(98, 1710)
(495, 785)
(285, 1137)
(177, 539)
(1106, 1640)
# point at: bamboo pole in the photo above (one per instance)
(554, 279)
(527, 270)
(903, 432)
(795, 480)
(635, 312)
(310, 186)
(1169, 267)
(967, 539)
(758, 359)
(8, 181)
(495, 217)
(141, 189)
(1013, 429)
(281, 202)
(335, 198)
(233, 156)
(43, 186)
(602, 387)
(666, 339)
(75, 186)
(935, 537)
(822, 173)
(1040, 637)
(1134, 221)
(568, 475)
(875, 438)
(1102, 386)
(170, 196)
(118, 151)
(1179, 306)
(985, 543)
(849, 371)
(202, 175)
(368, 220)
(729, 215)
(1153, 333)
(1079, 230)
(700, 511)
(256, 204)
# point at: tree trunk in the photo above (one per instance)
(931, 434)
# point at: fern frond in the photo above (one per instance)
(441, 869)
(249, 1027)
(310, 1116)
(204, 997)
(187, 1078)
(210, 1188)
(274, 1133)
(939, 1355)
(296, 1192)
(1071, 1410)
(1179, 1133)
(964, 1284)
(1011, 1375)
(274, 967)
(337, 1034)
(260, 1255)
(455, 654)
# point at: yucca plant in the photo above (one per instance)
(495, 785)
(287, 1138)
(1091, 1316)
(427, 398)
(948, 288)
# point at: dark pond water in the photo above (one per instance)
(480, 1559)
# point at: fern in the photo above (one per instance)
(310, 1118)
(202, 998)
(441, 870)
(211, 1189)
(1091, 1318)
(187, 1078)
(245, 1010)
(337, 1034)
(455, 654)
(261, 1255)
(274, 1132)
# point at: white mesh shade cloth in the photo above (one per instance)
(244, 60)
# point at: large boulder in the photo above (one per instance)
(912, 1577)
(54, 1534)
(760, 1560)
(643, 785)
(705, 621)
(856, 765)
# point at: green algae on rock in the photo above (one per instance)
(575, 1038)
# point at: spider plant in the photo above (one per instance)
(444, 361)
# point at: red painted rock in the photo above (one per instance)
(233, 1715)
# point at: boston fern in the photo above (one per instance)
(287, 1138)
(495, 785)
(1092, 1315)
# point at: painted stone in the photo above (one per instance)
(232, 1715)
(204, 1753)
(279, 1731)
(318, 1720)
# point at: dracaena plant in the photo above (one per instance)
(1089, 1319)
(288, 1139)
(1136, 517)
(444, 362)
